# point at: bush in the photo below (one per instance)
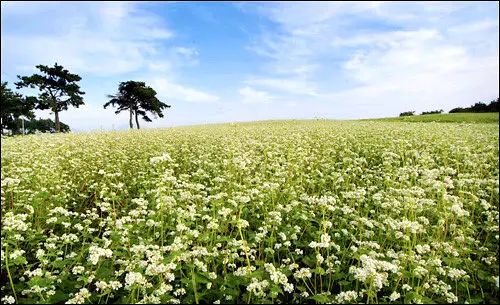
(433, 112)
(407, 113)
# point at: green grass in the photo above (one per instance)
(491, 117)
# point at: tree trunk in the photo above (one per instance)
(136, 120)
(130, 122)
(58, 126)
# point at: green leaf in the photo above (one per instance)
(59, 296)
(200, 278)
(427, 300)
(410, 296)
(319, 270)
(309, 261)
(476, 300)
(276, 288)
(320, 298)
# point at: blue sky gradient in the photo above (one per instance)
(242, 61)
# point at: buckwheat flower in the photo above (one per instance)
(257, 287)
(319, 258)
(242, 223)
(40, 253)
(101, 286)
(51, 220)
(420, 271)
(456, 273)
(407, 287)
(293, 266)
(115, 285)
(304, 294)
(299, 251)
(8, 299)
(302, 273)
(394, 296)
(212, 275)
(179, 292)
(134, 278)
(78, 270)
(346, 296)
(16, 254)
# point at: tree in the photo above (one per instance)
(433, 112)
(458, 109)
(407, 113)
(13, 106)
(44, 125)
(138, 99)
(59, 89)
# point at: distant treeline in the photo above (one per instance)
(477, 107)
(34, 125)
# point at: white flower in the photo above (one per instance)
(16, 254)
(9, 299)
(302, 273)
(394, 296)
(78, 270)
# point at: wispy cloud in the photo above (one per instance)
(102, 38)
(105, 42)
(252, 96)
(175, 92)
(388, 54)
(289, 85)
(230, 61)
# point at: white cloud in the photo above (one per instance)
(102, 38)
(170, 91)
(252, 96)
(375, 59)
(290, 85)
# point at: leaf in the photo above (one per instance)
(105, 271)
(410, 296)
(200, 278)
(58, 297)
(319, 270)
(426, 300)
(309, 261)
(476, 300)
(320, 298)
(276, 288)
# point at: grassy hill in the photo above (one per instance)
(491, 117)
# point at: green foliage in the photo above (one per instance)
(14, 105)
(493, 106)
(138, 99)
(407, 113)
(44, 125)
(433, 112)
(58, 87)
(279, 212)
(445, 118)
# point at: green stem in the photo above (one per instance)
(8, 271)
(194, 286)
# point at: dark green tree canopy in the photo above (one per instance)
(138, 99)
(44, 125)
(58, 87)
(13, 106)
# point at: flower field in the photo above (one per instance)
(264, 212)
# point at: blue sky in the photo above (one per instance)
(243, 61)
